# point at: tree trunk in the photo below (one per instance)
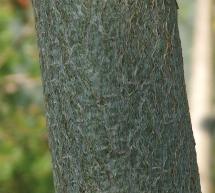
(115, 96)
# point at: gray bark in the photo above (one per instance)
(115, 96)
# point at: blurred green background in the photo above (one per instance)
(24, 157)
(25, 163)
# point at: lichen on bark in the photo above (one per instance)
(115, 96)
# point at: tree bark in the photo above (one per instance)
(115, 96)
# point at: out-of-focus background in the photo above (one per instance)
(25, 163)
(24, 158)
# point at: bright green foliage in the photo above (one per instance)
(24, 158)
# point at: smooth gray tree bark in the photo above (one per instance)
(115, 96)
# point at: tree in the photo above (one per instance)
(115, 96)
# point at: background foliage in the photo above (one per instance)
(24, 158)
(25, 165)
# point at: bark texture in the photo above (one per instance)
(115, 96)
